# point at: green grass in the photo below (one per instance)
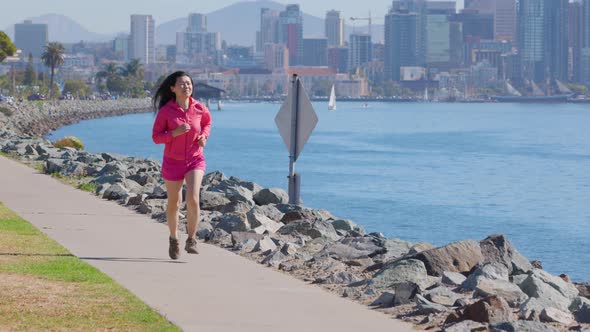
(41, 279)
(89, 187)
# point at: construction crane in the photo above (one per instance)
(363, 19)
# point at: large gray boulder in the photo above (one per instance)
(261, 223)
(459, 256)
(353, 248)
(213, 201)
(271, 196)
(115, 192)
(409, 270)
(442, 295)
(395, 248)
(550, 291)
(508, 291)
(522, 326)
(232, 222)
(491, 271)
(313, 229)
(496, 248)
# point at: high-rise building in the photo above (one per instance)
(543, 39)
(121, 46)
(338, 59)
(420, 8)
(504, 15)
(400, 42)
(269, 29)
(334, 29)
(142, 39)
(30, 38)
(196, 45)
(585, 54)
(361, 50)
(557, 38)
(276, 56)
(291, 32)
(438, 31)
(576, 39)
(475, 24)
(316, 52)
(197, 23)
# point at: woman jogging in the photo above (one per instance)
(183, 125)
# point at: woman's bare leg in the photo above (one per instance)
(174, 191)
(193, 212)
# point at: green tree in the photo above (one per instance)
(76, 88)
(7, 48)
(133, 68)
(30, 75)
(53, 57)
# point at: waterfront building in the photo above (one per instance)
(31, 38)
(420, 9)
(400, 42)
(269, 28)
(575, 39)
(361, 51)
(585, 53)
(142, 39)
(276, 56)
(504, 16)
(338, 59)
(475, 24)
(334, 29)
(316, 52)
(439, 37)
(291, 32)
(543, 39)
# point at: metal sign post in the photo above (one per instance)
(294, 183)
(295, 120)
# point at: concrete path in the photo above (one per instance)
(213, 291)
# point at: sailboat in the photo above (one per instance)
(332, 101)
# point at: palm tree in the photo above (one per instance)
(133, 69)
(53, 57)
(108, 70)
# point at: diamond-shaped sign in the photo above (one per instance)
(306, 119)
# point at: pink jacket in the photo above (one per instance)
(170, 117)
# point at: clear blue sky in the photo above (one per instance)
(109, 16)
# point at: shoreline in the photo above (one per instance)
(417, 282)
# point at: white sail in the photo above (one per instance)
(511, 90)
(426, 94)
(332, 101)
(563, 89)
(536, 90)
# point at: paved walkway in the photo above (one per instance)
(213, 291)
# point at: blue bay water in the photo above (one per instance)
(419, 172)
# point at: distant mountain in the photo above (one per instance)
(63, 29)
(239, 22)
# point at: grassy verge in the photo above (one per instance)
(44, 287)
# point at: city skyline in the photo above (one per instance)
(92, 14)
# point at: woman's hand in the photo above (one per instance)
(202, 140)
(181, 130)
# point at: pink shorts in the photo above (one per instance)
(175, 170)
